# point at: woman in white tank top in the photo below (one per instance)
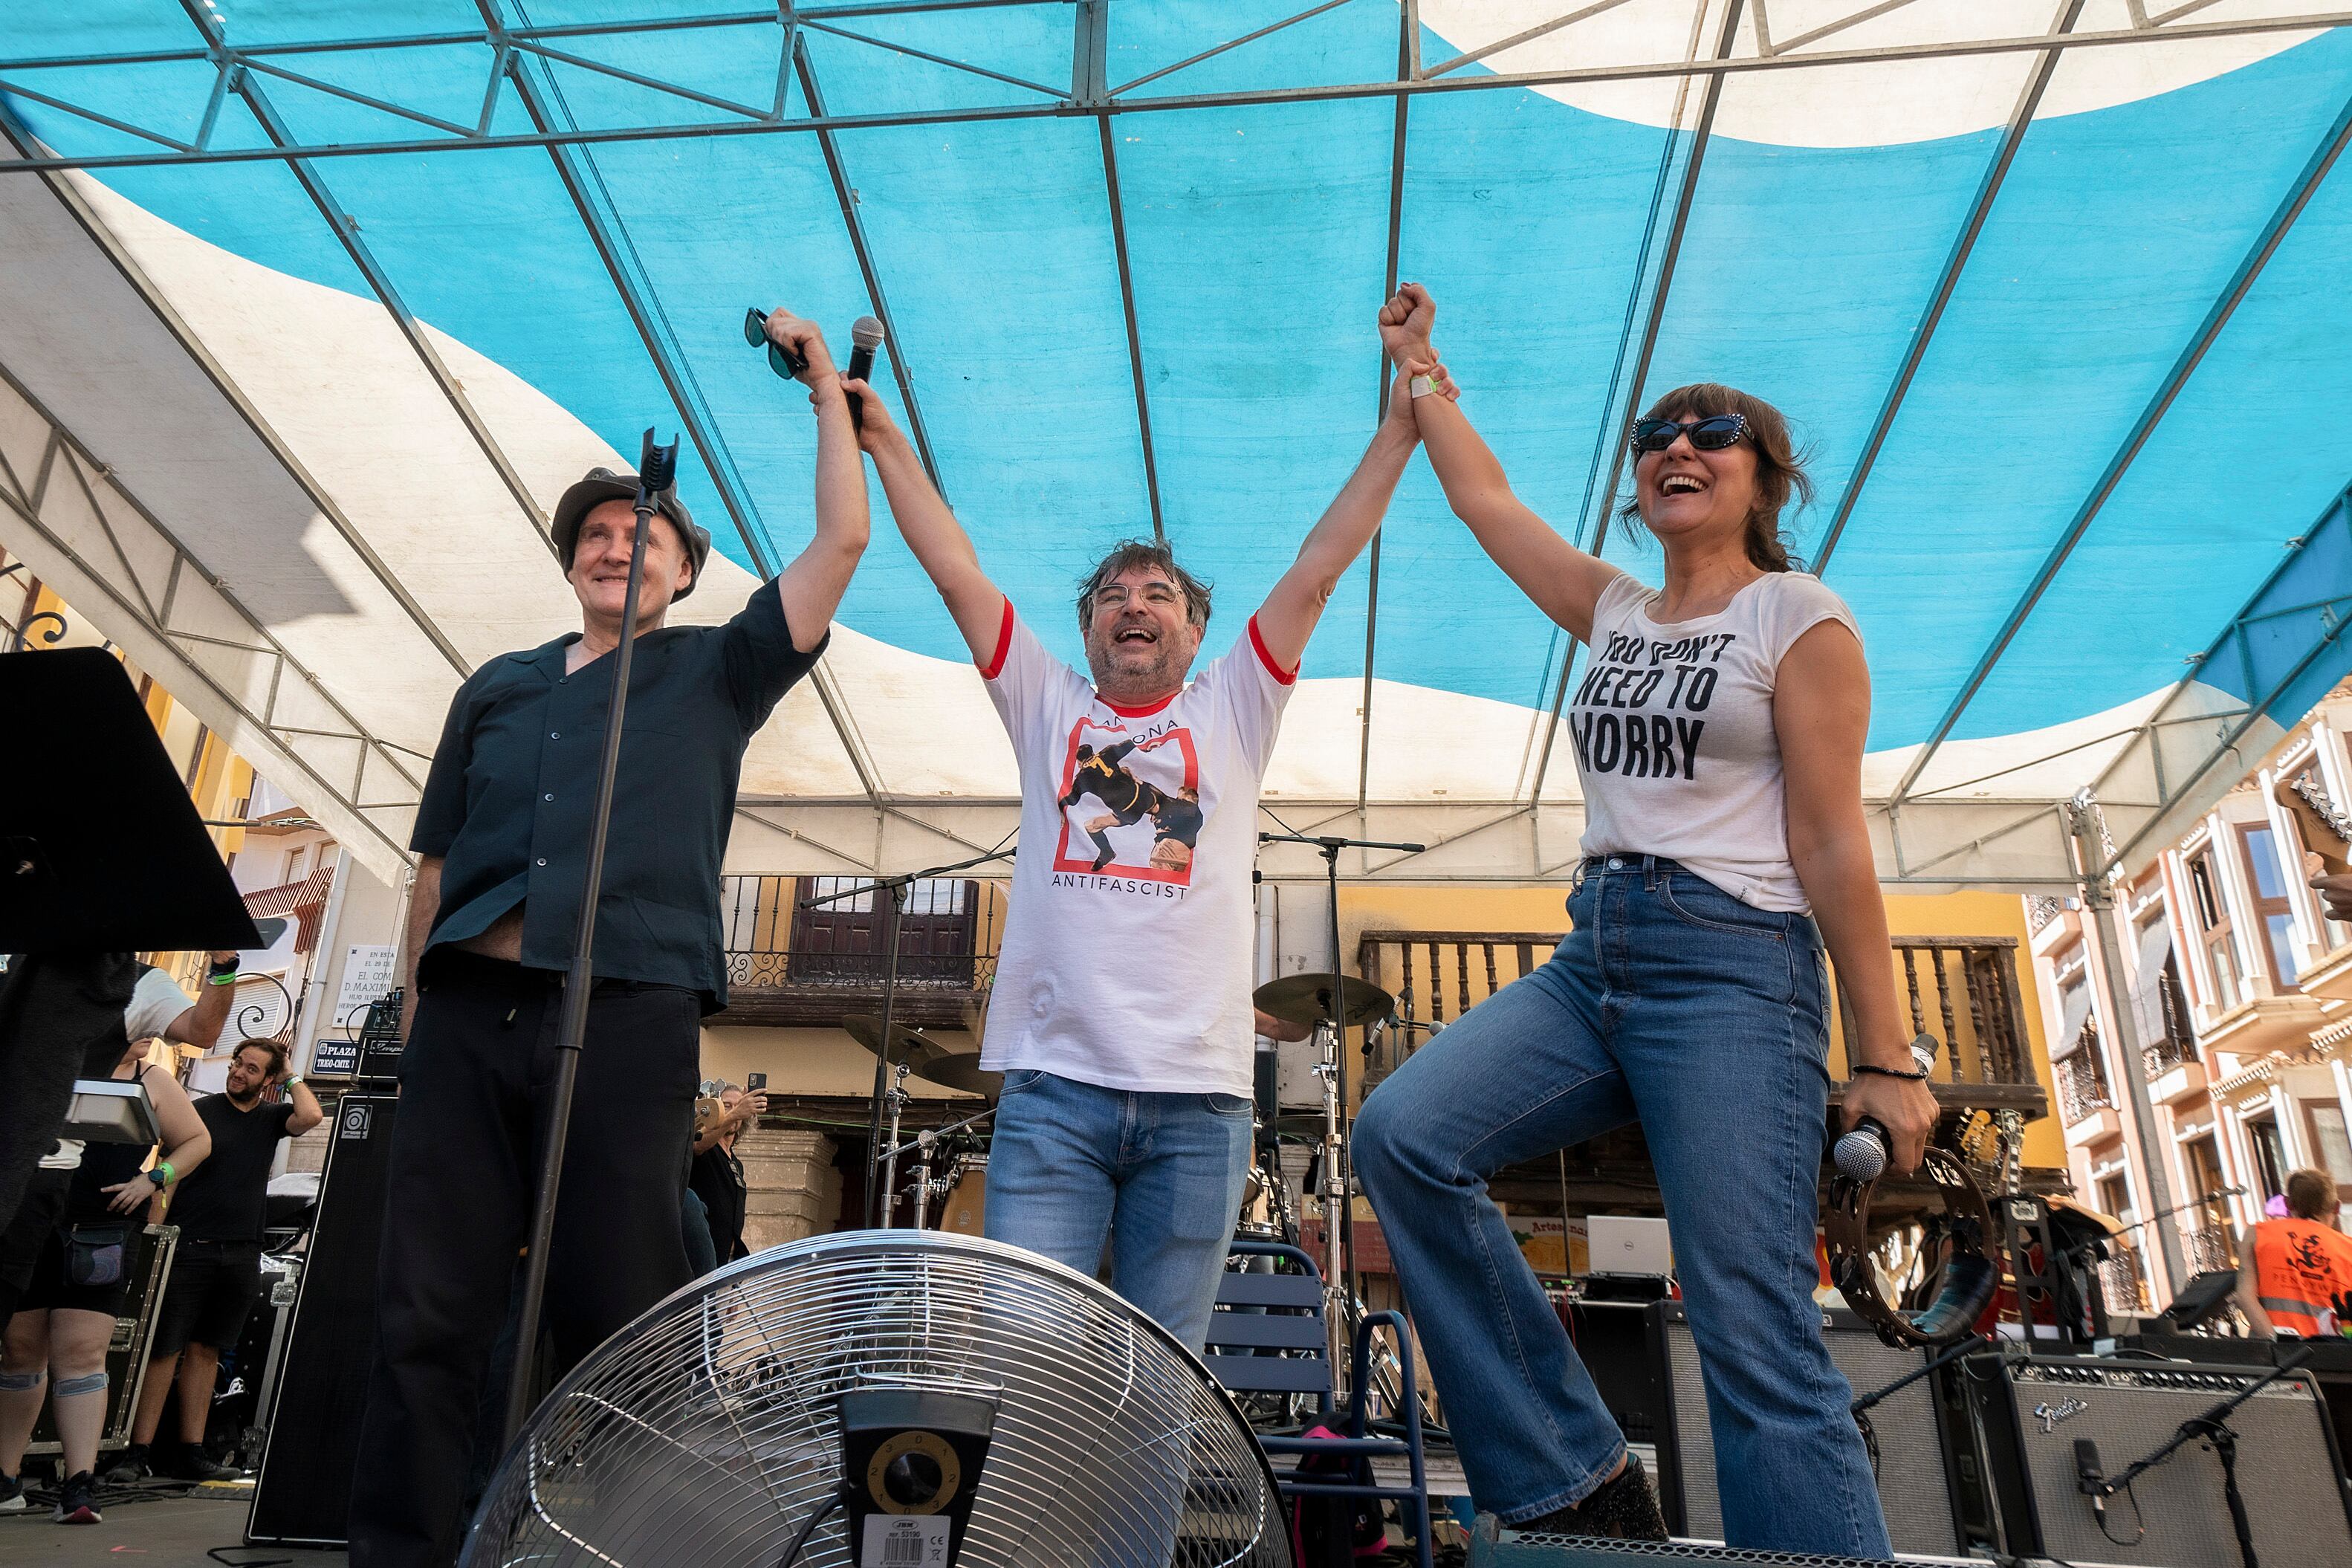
(1718, 728)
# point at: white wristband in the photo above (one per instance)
(1421, 385)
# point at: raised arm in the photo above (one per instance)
(931, 530)
(1820, 713)
(1564, 582)
(200, 1026)
(812, 585)
(1287, 617)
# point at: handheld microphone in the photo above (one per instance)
(864, 336)
(1863, 1154)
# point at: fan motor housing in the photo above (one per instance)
(912, 1459)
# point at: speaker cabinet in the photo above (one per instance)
(303, 1495)
(2034, 1412)
(1909, 1429)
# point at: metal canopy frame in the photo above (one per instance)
(1925, 839)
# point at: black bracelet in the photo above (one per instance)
(1919, 1077)
(217, 967)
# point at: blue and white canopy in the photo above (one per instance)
(318, 306)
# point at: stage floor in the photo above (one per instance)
(156, 1530)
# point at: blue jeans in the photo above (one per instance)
(1160, 1173)
(1675, 1004)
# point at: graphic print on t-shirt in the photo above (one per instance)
(1130, 801)
(1641, 708)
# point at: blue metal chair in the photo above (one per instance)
(1284, 1313)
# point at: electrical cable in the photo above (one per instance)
(824, 1512)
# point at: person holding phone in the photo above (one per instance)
(717, 1177)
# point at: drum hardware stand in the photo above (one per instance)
(877, 1194)
(1340, 1291)
(921, 1144)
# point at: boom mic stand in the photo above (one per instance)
(877, 1150)
(657, 471)
(1340, 1227)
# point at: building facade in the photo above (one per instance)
(2240, 995)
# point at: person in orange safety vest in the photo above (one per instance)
(2295, 1276)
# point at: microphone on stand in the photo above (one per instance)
(865, 335)
(657, 468)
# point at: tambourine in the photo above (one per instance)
(1971, 1270)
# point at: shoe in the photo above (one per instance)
(78, 1500)
(12, 1494)
(189, 1462)
(1622, 1508)
(130, 1465)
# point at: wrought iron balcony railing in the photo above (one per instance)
(791, 960)
(2083, 1088)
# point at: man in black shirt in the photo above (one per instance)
(501, 842)
(216, 1272)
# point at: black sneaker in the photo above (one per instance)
(189, 1462)
(12, 1494)
(130, 1465)
(78, 1500)
(1622, 1508)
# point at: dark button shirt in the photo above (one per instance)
(513, 785)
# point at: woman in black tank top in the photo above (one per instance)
(55, 1344)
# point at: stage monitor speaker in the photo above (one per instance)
(2035, 1413)
(1491, 1547)
(304, 1492)
(1916, 1481)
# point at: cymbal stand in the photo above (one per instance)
(1340, 1287)
(895, 1095)
(875, 1199)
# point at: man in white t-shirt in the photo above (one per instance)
(1120, 1014)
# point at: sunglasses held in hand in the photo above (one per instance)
(785, 361)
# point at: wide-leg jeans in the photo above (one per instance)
(1706, 1019)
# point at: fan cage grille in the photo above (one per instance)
(706, 1433)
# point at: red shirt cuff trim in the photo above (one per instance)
(1282, 677)
(996, 665)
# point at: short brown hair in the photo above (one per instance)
(1779, 467)
(275, 1051)
(1128, 555)
(2311, 1194)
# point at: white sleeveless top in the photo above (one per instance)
(1672, 727)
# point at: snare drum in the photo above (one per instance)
(967, 1195)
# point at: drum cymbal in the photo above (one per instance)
(1306, 999)
(906, 1044)
(961, 1069)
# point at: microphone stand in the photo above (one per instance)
(2213, 1425)
(1339, 1226)
(657, 468)
(877, 1149)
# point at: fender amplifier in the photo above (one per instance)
(1911, 1455)
(2038, 1418)
(302, 1494)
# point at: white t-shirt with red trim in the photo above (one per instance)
(1126, 954)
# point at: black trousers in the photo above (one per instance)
(475, 1083)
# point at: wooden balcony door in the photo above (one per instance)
(845, 942)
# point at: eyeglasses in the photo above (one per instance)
(783, 361)
(1712, 433)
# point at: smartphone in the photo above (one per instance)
(753, 1082)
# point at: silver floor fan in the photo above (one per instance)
(890, 1399)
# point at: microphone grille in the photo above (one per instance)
(1860, 1155)
(866, 333)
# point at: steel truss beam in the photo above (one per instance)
(116, 563)
(2241, 281)
(577, 170)
(1614, 426)
(502, 42)
(2020, 120)
(1408, 62)
(2282, 652)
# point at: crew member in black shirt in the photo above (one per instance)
(501, 842)
(217, 1271)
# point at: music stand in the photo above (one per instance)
(100, 848)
